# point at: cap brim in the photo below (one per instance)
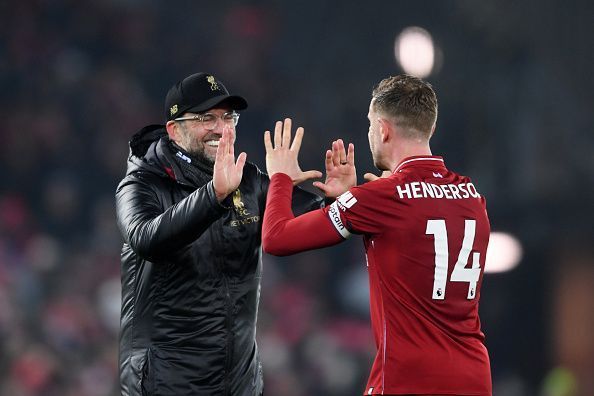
(235, 102)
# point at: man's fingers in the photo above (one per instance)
(231, 140)
(351, 154)
(329, 164)
(231, 135)
(341, 152)
(296, 146)
(370, 177)
(278, 129)
(222, 149)
(268, 142)
(335, 154)
(287, 133)
(241, 162)
(303, 176)
(320, 186)
(312, 174)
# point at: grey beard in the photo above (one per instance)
(200, 156)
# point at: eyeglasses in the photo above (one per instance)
(209, 120)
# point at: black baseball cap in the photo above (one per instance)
(197, 93)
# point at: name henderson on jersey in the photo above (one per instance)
(430, 190)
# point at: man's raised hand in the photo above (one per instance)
(227, 173)
(282, 156)
(340, 170)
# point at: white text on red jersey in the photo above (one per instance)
(429, 190)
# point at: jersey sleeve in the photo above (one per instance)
(283, 233)
(358, 210)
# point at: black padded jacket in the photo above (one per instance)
(191, 271)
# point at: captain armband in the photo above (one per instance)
(334, 215)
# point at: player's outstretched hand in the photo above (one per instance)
(227, 173)
(340, 170)
(282, 156)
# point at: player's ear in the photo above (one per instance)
(386, 129)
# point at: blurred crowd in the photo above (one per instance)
(79, 78)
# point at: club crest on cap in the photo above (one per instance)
(213, 83)
(173, 109)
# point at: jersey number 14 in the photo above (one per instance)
(471, 275)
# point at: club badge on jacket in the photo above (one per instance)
(241, 211)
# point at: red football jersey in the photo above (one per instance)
(426, 233)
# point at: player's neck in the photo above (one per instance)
(409, 149)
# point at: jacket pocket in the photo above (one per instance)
(140, 372)
(147, 382)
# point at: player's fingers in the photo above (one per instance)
(329, 164)
(312, 174)
(296, 146)
(287, 133)
(321, 186)
(341, 152)
(335, 154)
(267, 142)
(278, 130)
(370, 177)
(351, 155)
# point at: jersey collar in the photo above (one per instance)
(420, 160)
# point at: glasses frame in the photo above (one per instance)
(200, 118)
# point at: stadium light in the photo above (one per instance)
(415, 52)
(504, 253)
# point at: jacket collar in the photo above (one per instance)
(151, 150)
(180, 165)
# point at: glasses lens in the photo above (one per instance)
(231, 118)
(209, 121)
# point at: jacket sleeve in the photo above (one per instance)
(305, 201)
(151, 231)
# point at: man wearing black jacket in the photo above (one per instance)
(191, 259)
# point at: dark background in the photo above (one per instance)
(79, 78)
